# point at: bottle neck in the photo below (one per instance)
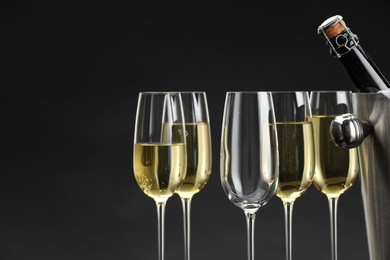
(364, 74)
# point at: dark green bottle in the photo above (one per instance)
(345, 46)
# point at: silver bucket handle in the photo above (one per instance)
(348, 131)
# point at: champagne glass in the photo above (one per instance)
(336, 168)
(198, 140)
(249, 154)
(296, 152)
(160, 158)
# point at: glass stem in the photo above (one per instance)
(288, 211)
(186, 203)
(160, 227)
(333, 225)
(250, 221)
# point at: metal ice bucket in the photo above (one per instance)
(369, 130)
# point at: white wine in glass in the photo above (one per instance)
(296, 152)
(156, 168)
(336, 168)
(160, 154)
(198, 141)
(296, 163)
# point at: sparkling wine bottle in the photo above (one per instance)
(345, 46)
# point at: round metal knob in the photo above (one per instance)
(348, 131)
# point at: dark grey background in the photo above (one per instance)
(71, 73)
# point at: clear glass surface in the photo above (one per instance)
(249, 154)
(160, 157)
(198, 141)
(296, 152)
(336, 168)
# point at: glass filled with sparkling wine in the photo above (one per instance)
(198, 141)
(336, 168)
(160, 156)
(249, 154)
(296, 152)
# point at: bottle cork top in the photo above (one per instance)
(332, 26)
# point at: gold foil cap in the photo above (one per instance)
(332, 27)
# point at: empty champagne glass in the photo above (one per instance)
(296, 152)
(160, 158)
(198, 141)
(249, 154)
(336, 168)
